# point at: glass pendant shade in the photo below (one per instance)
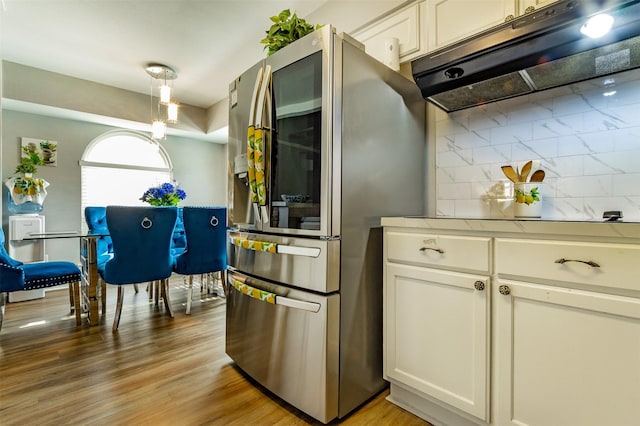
(165, 94)
(158, 129)
(172, 112)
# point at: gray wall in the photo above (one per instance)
(199, 166)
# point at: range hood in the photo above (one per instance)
(537, 51)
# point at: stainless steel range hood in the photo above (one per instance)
(537, 51)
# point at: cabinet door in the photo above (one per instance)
(451, 20)
(436, 335)
(405, 24)
(566, 357)
(537, 4)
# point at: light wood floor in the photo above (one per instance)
(154, 371)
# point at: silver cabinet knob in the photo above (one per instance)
(504, 289)
(479, 285)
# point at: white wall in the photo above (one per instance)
(588, 145)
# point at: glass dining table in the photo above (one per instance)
(92, 295)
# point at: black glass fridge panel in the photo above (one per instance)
(296, 145)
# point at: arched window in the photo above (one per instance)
(119, 166)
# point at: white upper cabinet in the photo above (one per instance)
(536, 4)
(449, 21)
(425, 25)
(405, 24)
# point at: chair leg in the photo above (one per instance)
(223, 280)
(71, 297)
(157, 285)
(103, 296)
(3, 302)
(165, 296)
(76, 300)
(135, 287)
(116, 318)
(189, 294)
(150, 290)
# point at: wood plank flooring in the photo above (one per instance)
(154, 371)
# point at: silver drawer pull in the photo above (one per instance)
(439, 250)
(586, 262)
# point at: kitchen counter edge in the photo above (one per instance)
(609, 231)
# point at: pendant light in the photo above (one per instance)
(166, 110)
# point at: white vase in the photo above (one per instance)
(527, 200)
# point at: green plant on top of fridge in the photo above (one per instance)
(286, 28)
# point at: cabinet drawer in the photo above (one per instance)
(444, 251)
(584, 263)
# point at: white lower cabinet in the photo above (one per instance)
(567, 334)
(566, 356)
(437, 335)
(513, 328)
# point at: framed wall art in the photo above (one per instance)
(46, 150)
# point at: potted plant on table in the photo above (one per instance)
(167, 194)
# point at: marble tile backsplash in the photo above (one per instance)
(587, 143)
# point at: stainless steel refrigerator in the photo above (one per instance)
(323, 141)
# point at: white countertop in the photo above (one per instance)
(605, 231)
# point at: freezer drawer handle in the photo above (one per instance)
(255, 293)
(244, 243)
(271, 247)
(266, 296)
(299, 251)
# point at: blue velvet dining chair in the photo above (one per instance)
(96, 218)
(179, 237)
(178, 246)
(18, 276)
(141, 239)
(206, 229)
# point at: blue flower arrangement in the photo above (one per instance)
(166, 194)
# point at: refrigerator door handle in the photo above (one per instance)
(239, 283)
(251, 136)
(263, 124)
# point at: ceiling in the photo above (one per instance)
(208, 42)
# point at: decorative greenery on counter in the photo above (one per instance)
(286, 29)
